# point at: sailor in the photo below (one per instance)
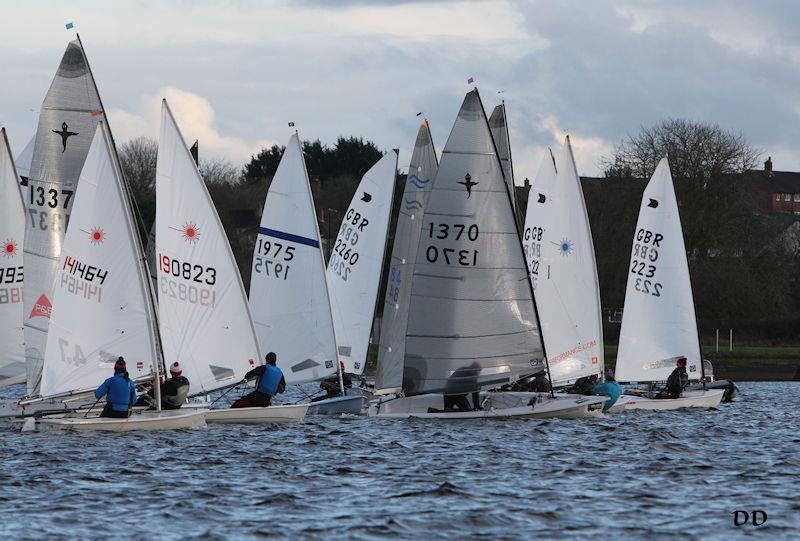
(460, 382)
(119, 390)
(270, 382)
(173, 391)
(331, 385)
(585, 385)
(610, 388)
(540, 383)
(677, 381)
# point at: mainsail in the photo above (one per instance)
(354, 269)
(67, 122)
(563, 272)
(12, 273)
(23, 161)
(203, 314)
(102, 305)
(499, 127)
(392, 348)
(288, 291)
(658, 322)
(472, 321)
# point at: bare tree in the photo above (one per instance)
(138, 161)
(696, 150)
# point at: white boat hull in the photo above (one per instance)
(689, 399)
(148, 420)
(496, 405)
(341, 405)
(258, 415)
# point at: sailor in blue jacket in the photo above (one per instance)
(610, 388)
(120, 392)
(270, 382)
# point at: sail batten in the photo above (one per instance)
(291, 307)
(204, 317)
(659, 321)
(469, 248)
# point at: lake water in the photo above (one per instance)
(636, 475)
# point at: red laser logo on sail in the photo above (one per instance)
(189, 231)
(96, 235)
(9, 248)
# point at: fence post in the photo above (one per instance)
(717, 348)
(730, 341)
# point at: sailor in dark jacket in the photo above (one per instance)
(677, 381)
(270, 382)
(173, 391)
(119, 390)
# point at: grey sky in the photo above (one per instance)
(236, 72)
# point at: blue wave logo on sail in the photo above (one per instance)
(418, 182)
(413, 204)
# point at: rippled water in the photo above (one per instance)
(638, 475)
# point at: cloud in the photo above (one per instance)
(196, 119)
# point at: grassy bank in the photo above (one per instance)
(746, 363)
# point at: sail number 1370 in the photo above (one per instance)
(452, 232)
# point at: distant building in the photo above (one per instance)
(784, 191)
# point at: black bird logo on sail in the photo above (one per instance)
(366, 198)
(65, 134)
(468, 184)
(653, 203)
(542, 198)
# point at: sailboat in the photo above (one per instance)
(356, 262)
(12, 272)
(472, 320)
(392, 346)
(204, 318)
(288, 291)
(102, 302)
(563, 273)
(659, 323)
(67, 121)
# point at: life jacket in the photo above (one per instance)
(269, 382)
(181, 385)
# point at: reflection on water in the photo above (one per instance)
(638, 474)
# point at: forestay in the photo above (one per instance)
(472, 321)
(12, 273)
(392, 344)
(563, 272)
(499, 128)
(288, 291)
(658, 322)
(67, 122)
(203, 314)
(102, 307)
(356, 262)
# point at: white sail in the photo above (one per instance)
(354, 269)
(23, 161)
(392, 346)
(288, 291)
(658, 321)
(12, 273)
(67, 122)
(102, 307)
(499, 127)
(472, 321)
(203, 314)
(563, 271)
